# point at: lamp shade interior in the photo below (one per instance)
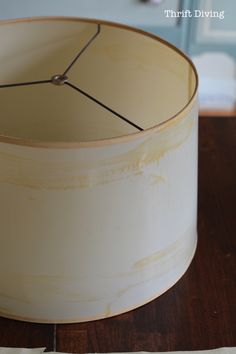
(132, 73)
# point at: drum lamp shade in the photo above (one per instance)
(98, 168)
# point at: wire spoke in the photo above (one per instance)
(28, 83)
(83, 49)
(103, 105)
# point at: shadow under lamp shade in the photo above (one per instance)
(98, 168)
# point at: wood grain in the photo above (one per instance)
(25, 335)
(199, 312)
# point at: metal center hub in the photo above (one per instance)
(59, 79)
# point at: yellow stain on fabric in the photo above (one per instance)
(172, 251)
(159, 263)
(64, 174)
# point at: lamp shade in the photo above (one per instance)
(98, 168)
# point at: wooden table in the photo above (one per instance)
(199, 312)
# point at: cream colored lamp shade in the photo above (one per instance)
(98, 168)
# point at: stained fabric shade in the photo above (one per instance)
(98, 168)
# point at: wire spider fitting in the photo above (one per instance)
(62, 79)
